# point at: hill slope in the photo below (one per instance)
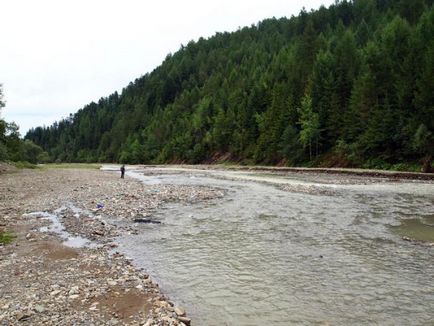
(352, 84)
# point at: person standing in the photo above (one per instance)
(123, 171)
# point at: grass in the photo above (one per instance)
(27, 165)
(410, 167)
(71, 165)
(6, 237)
(24, 165)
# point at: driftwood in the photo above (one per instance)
(146, 220)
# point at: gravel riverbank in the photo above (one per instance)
(48, 280)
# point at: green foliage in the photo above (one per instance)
(290, 147)
(353, 81)
(376, 164)
(2, 102)
(309, 122)
(17, 150)
(24, 165)
(31, 152)
(6, 237)
(4, 155)
(71, 166)
(43, 158)
(412, 167)
(348, 152)
(26, 153)
(423, 140)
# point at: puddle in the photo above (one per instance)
(57, 227)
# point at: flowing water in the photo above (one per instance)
(298, 249)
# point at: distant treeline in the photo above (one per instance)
(348, 85)
(13, 147)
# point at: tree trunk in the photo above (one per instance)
(310, 150)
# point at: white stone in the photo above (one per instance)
(74, 290)
(179, 311)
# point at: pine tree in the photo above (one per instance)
(309, 122)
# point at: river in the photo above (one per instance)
(292, 249)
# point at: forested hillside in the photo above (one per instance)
(348, 85)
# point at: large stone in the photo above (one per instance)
(39, 309)
(148, 322)
(185, 320)
(74, 290)
(179, 311)
(23, 316)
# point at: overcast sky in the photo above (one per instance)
(57, 56)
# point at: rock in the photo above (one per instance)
(185, 320)
(148, 322)
(98, 232)
(50, 286)
(54, 293)
(162, 304)
(179, 311)
(166, 319)
(39, 309)
(74, 290)
(23, 316)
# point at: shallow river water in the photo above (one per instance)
(300, 249)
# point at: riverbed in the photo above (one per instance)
(292, 248)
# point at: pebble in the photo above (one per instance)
(74, 290)
(63, 290)
(39, 309)
(54, 293)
